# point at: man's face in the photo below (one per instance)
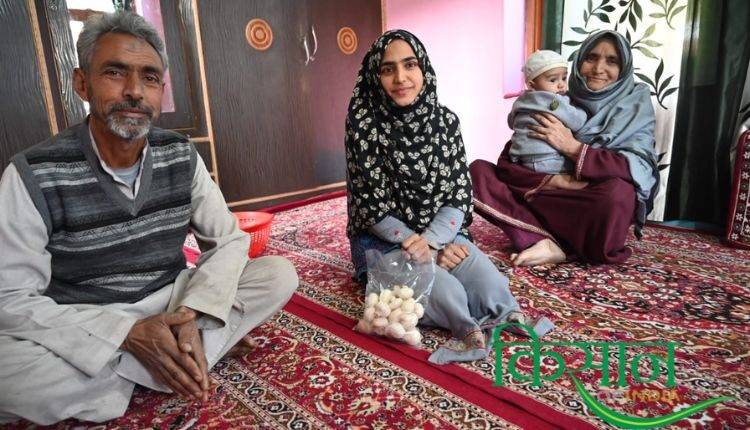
(124, 85)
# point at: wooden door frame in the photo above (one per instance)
(534, 10)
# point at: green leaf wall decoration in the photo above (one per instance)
(123, 4)
(669, 9)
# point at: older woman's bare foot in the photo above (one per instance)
(245, 346)
(543, 252)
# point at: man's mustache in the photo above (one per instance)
(131, 106)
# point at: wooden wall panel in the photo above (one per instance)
(61, 60)
(331, 77)
(23, 113)
(279, 123)
(204, 150)
(252, 98)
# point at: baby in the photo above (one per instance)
(546, 74)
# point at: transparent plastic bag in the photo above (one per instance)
(396, 295)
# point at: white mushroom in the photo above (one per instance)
(409, 321)
(412, 337)
(382, 309)
(396, 290)
(395, 330)
(385, 296)
(371, 299)
(408, 305)
(395, 315)
(419, 310)
(363, 327)
(369, 313)
(406, 293)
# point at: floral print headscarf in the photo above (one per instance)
(406, 162)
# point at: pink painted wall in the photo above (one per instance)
(464, 40)
(514, 47)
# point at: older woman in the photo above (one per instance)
(409, 189)
(587, 214)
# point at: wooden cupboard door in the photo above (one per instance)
(331, 76)
(278, 114)
(255, 97)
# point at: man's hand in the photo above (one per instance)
(189, 341)
(417, 248)
(151, 341)
(452, 255)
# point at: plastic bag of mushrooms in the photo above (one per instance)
(396, 295)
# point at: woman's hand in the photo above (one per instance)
(417, 248)
(564, 182)
(452, 255)
(554, 132)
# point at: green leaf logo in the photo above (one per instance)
(630, 422)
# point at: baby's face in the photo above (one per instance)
(553, 80)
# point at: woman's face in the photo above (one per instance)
(400, 75)
(601, 66)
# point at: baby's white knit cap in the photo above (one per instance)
(541, 61)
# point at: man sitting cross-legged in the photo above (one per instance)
(94, 293)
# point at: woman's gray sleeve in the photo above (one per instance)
(444, 227)
(391, 229)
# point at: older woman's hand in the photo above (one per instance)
(564, 182)
(417, 248)
(452, 255)
(554, 132)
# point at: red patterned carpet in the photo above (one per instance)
(312, 371)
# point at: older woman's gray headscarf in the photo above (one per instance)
(621, 118)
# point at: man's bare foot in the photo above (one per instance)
(543, 252)
(245, 346)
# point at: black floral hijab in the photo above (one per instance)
(407, 162)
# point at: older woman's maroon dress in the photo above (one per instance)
(591, 224)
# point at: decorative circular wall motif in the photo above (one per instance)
(258, 34)
(347, 40)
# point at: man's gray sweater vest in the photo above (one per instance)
(105, 247)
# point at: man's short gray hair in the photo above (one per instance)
(119, 22)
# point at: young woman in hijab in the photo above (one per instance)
(409, 190)
(587, 214)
